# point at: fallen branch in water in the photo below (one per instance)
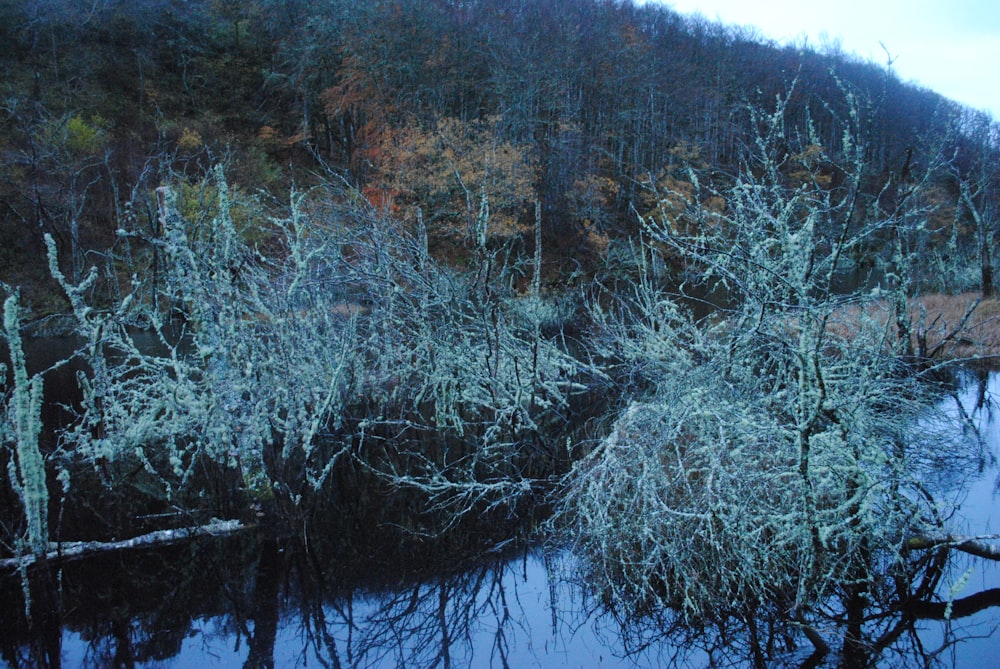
(78, 549)
(977, 546)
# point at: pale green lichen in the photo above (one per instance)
(350, 319)
(24, 428)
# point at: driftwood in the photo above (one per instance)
(77, 549)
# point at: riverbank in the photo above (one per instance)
(956, 326)
(943, 327)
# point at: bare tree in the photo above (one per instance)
(764, 465)
(977, 194)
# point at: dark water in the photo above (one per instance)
(512, 613)
(971, 487)
(244, 601)
(357, 593)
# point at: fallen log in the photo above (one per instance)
(78, 549)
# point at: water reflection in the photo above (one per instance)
(956, 629)
(248, 603)
(368, 594)
(240, 602)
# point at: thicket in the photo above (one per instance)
(346, 347)
(764, 479)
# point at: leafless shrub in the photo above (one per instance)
(764, 463)
(345, 340)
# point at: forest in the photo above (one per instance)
(653, 290)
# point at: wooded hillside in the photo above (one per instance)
(589, 107)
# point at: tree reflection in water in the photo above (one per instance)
(371, 594)
(243, 603)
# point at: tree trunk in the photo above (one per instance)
(986, 264)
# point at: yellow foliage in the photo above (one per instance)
(596, 240)
(686, 154)
(811, 165)
(199, 202)
(151, 92)
(672, 194)
(941, 207)
(592, 195)
(84, 137)
(446, 170)
(190, 140)
(267, 135)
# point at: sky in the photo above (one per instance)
(949, 46)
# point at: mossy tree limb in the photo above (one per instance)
(22, 427)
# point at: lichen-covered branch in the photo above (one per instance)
(978, 546)
(71, 550)
(21, 423)
(765, 460)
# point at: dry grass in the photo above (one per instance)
(942, 314)
(938, 320)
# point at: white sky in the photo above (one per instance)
(949, 46)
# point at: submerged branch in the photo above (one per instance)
(959, 608)
(78, 549)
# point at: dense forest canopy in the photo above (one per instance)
(580, 105)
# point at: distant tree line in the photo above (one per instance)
(579, 105)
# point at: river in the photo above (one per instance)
(351, 594)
